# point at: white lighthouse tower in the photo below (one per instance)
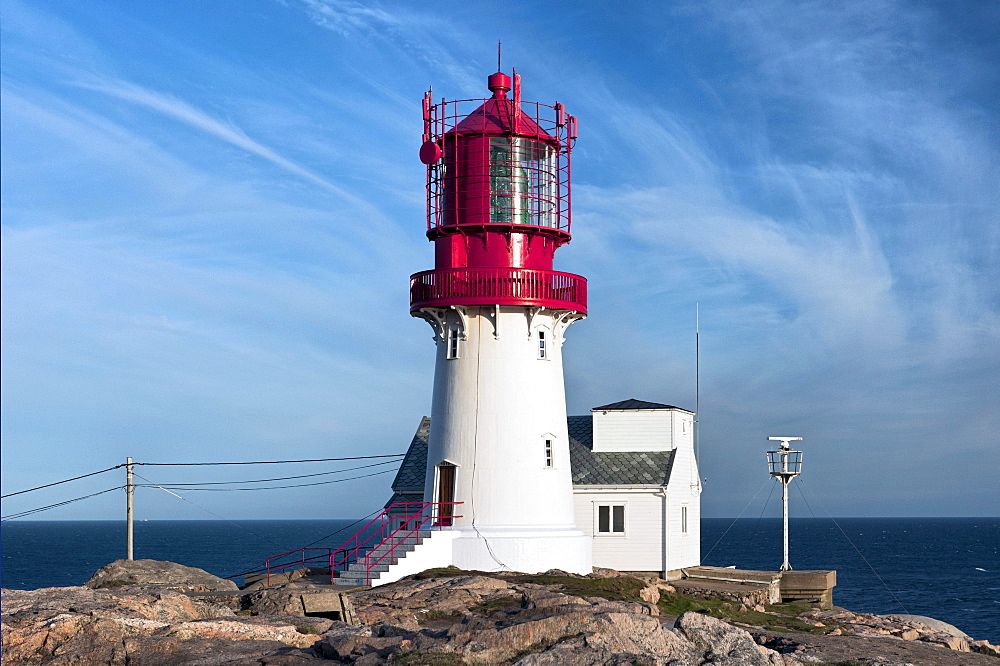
(498, 467)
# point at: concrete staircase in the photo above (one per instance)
(375, 567)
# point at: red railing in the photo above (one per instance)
(397, 523)
(272, 567)
(498, 286)
(548, 127)
(391, 527)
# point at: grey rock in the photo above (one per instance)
(166, 651)
(936, 625)
(140, 625)
(155, 573)
(722, 643)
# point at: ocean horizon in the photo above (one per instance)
(946, 568)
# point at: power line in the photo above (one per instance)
(49, 485)
(271, 462)
(856, 549)
(281, 478)
(294, 485)
(29, 512)
(705, 556)
(180, 497)
(250, 462)
(342, 529)
(53, 506)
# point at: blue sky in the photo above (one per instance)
(210, 212)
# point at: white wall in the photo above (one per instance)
(641, 547)
(640, 430)
(683, 489)
(654, 539)
(493, 408)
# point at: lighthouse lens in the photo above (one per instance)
(523, 182)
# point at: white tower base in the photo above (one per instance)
(531, 550)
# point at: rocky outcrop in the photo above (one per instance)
(456, 620)
(486, 620)
(909, 635)
(906, 627)
(447, 618)
(154, 573)
(84, 626)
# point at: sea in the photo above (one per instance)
(946, 568)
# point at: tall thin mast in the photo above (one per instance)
(697, 392)
(785, 464)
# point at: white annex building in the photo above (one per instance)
(636, 490)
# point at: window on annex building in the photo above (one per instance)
(684, 520)
(611, 519)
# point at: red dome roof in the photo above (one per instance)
(499, 115)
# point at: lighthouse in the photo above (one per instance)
(498, 207)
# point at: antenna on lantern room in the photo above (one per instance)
(785, 464)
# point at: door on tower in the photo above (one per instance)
(445, 494)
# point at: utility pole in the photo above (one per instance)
(129, 490)
(784, 465)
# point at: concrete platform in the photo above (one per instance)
(759, 587)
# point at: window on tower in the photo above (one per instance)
(548, 453)
(452, 342)
(543, 351)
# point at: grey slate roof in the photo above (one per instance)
(632, 403)
(617, 468)
(410, 476)
(620, 468)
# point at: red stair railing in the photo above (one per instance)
(271, 567)
(409, 517)
(393, 525)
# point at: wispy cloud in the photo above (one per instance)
(410, 33)
(188, 114)
(209, 241)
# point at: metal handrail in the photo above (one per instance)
(360, 553)
(397, 538)
(498, 286)
(283, 566)
(358, 547)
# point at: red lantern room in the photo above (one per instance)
(498, 202)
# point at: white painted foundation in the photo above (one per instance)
(435, 551)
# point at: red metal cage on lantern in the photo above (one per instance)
(498, 201)
(497, 162)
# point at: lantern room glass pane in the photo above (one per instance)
(523, 182)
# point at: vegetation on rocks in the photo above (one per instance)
(777, 617)
(618, 588)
